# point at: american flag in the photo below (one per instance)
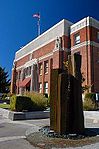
(36, 15)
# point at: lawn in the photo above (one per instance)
(4, 106)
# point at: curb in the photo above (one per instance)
(24, 115)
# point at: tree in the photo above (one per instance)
(4, 81)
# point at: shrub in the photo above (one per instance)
(90, 96)
(48, 101)
(90, 102)
(20, 103)
(13, 102)
(4, 96)
(39, 99)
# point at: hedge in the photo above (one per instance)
(28, 102)
(91, 96)
(90, 102)
(38, 99)
(21, 103)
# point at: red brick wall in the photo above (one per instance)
(22, 61)
(93, 34)
(82, 51)
(90, 56)
(44, 50)
(36, 54)
(46, 77)
(58, 58)
(65, 41)
(83, 36)
(95, 68)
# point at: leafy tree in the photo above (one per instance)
(4, 81)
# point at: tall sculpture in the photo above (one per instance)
(66, 115)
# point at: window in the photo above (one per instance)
(40, 87)
(40, 68)
(27, 72)
(76, 38)
(46, 87)
(46, 67)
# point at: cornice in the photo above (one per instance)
(85, 43)
(89, 21)
(58, 30)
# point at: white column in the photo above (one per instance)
(31, 87)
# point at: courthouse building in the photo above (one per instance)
(33, 63)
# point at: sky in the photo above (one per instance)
(18, 27)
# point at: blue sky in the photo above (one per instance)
(18, 27)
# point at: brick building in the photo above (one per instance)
(33, 63)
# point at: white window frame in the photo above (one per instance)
(40, 87)
(77, 38)
(46, 87)
(40, 68)
(46, 67)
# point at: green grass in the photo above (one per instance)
(5, 106)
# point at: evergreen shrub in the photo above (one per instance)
(89, 102)
(38, 99)
(21, 103)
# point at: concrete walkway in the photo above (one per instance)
(12, 133)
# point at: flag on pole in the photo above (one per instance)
(36, 15)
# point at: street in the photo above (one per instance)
(12, 133)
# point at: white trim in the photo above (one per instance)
(27, 64)
(79, 25)
(34, 61)
(20, 67)
(85, 43)
(89, 21)
(80, 45)
(61, 49)
(57, 49)
(45, 56)
(60, 29)
(31, 52)
(94, 23)
(95, 44)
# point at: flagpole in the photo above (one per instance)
(38, 26)
(37, 15)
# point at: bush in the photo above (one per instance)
(4, 96)
(39, 99)
(89, 102)
(91, 96)
(48, 101)
(20, 103)
(89, 105)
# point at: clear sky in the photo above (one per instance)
(18, 27)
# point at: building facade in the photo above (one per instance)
(33, 63)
